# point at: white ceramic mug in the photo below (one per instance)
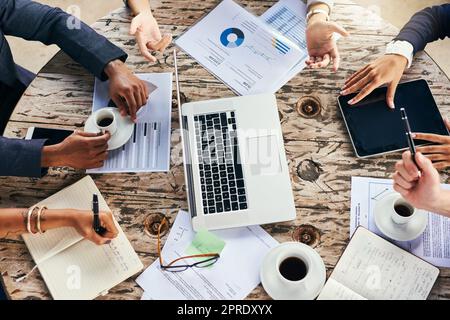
(303, 256)
(279, 287)
(396, 216)
(104, 114)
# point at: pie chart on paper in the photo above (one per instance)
(232, 37)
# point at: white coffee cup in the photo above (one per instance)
(308, 277)
(304, 262)
(105, 121)
(402, 211)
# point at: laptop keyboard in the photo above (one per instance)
(221, 177)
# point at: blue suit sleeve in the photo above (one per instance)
(427, 26)
(21, 158)
(34, 21)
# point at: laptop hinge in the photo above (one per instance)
(188, 164)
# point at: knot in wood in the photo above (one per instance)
(309, 106)
(309, 170)
(183, 98)
(307, 234)
(152, 223)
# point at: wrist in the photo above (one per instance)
(50, 156)
(401, 48)
(112, 67)
(317, 17)
(57, 218)
(442, 203)
(401, 59)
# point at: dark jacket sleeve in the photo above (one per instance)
(21, 158)
(427, 26)
(34, 21)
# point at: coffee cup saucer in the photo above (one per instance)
(123, 133)
(399, 232)
(310, 286)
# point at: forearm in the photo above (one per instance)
(14, 221)
(33, 21)
(426, 26)
(138, 6)
(21, 157)
(442, 206)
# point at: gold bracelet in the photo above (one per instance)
(38, 219)
(30, 213)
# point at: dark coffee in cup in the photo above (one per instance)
(293, 269)
(403, 210)
(104, 122)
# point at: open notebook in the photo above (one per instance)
(75, 268)
(372, 268)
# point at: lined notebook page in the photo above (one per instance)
(85, 270)
(76, 196)
(74, 268)
(334, 290)
(376, 269)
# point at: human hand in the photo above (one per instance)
(322, 48)
(422, 191)
(81, 150)
(83, 221)
(385, 70)
(148, 36)
(438, 154)
(127, 91)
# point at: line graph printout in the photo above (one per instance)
(240, 49)
(432, 246)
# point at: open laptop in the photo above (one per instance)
(234, 161)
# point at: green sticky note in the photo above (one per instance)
(205, 242)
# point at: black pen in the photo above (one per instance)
(96, 225)
(412, 146)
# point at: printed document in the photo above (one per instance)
(242, 50)
(148, 149)
(233, 276)
(288, 17)
(432, 246)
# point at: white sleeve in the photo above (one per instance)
(329, 3)
(403, 48)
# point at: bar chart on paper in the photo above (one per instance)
(288, 19)
(148, 149)
(140, 153)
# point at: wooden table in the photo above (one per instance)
(320, 155)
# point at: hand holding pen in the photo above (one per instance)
(96, 226)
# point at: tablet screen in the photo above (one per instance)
(53, 136)
(375, 129)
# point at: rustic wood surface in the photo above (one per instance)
(320, 155)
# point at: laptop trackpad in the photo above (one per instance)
(263, 155)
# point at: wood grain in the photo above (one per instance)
(320, 156)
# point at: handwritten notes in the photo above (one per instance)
(373, 268)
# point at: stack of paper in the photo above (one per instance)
(233, 276)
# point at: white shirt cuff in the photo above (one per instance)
(329, 3)
(403, 48)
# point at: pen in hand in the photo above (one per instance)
(96, 224)
(409, 138)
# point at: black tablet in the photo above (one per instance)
(53, 136)
(376, 129)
